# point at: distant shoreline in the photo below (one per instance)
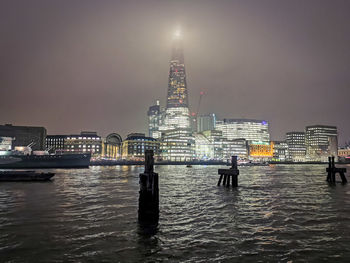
(120, 163)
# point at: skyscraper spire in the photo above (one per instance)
(177, 87)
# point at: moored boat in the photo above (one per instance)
(24, 176)
(29, 160)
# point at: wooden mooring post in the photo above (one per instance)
(149, 191)
(227, 174)
(332, 170)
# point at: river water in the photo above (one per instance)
(278, 213)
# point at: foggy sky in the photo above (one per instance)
(98, 65)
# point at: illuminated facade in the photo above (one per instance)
(236, 147)
(261, 151)
(216, 140)
(204, 148)
(135, 145)
(206, 122)
(176, 133)
(251, 130)
(111, 146)
(281, 151)
(6, 143)
(321, 142)
(82, 143)
(296, 146)
(178, 145)
(154, 121)
(344, 152)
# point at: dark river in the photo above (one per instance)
(278, 213)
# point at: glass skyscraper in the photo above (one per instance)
(176, 123)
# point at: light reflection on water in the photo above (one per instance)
(278, 213)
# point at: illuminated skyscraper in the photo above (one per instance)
(176, 126)
(177, 113)
(177, 88)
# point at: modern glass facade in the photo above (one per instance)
(216, 140)
(206, 122)
(296, 146)
(176, 133)
(321, 141)
(154, 121)
(178, 145)
(251, 130)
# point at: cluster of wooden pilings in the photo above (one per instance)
(226, 175)
(332, 171)
(149, 191)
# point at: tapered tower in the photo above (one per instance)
(177, 87)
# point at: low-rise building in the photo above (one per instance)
(111, 146)
(281, 151)
(135, 145)
(75, 143)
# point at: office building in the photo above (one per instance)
(154, 121)
(135, 145)
(321, 141)
(204, 149)
(248, 129)
(75, 143)
(25, 135)
(178, 145)
(176, 129)
(216, 140)
(231, 147)
(206, 122)
(281, 151)
(296, 146)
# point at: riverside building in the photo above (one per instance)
(206, 122)
(76, 143)
(280, 151)
(321, 142)
(111, 146)
(135, 145)
(176, 132)
(296, 146)
(249, 129)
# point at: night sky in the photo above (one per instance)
(98, 65)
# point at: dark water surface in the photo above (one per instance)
(277, 214)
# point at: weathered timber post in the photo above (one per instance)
(149, 191)
(226, 173)
(332, 170)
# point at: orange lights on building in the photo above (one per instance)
(261, 150)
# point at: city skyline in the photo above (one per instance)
(81, 69)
